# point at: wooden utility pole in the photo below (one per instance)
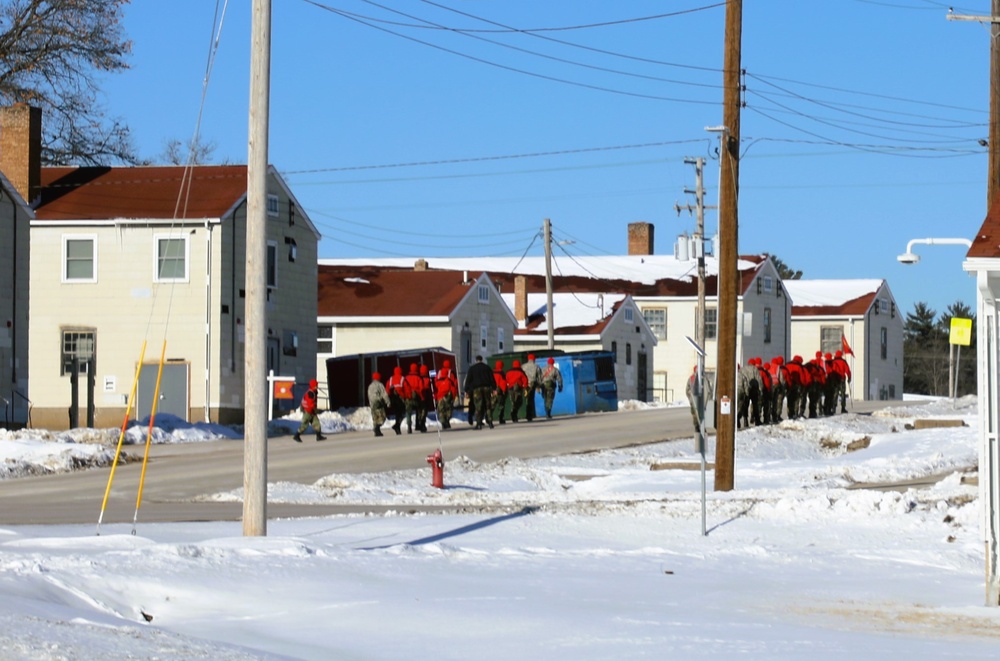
(993, 148)
(728, 281)
(255, 358)
(550, 319)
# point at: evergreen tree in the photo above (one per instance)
(925, 362)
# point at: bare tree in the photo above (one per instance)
(51, 55)
(176, 152)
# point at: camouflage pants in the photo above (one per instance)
(548, 395)
(481, 401)
(498, 404)
(516, 396)
(379, 415)
(445, 406)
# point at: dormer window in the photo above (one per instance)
(484, 294)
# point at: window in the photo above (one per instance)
(79, 259)
(500, 340)
(293, 248)
(656, 319)
(324, 339)
(628, 353)
(767, 325)
(883, 305)
(829, 338)
(628, 315)
(711, 323)
(171, 258)
(768, 283)
(883, 338)
(79, 344)
(483, 332)
(272, 205)
(484, 294)
(614, 349)
(272, 264)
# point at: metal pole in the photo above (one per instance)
(550, 321)
(255, 360)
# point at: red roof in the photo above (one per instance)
(99, 193)
(855, 307)
(987, 240)
(370, 291)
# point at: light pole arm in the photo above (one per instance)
(938, 242)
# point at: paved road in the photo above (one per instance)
(178, 473)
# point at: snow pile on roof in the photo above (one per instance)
(646, 269)
(569, 309)
(810, 293)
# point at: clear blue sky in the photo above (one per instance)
(860, 130)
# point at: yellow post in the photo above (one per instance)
(121, 435)
(149, 435)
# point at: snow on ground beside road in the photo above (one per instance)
(592, 556)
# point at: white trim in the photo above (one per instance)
(383, 320)
(173, 236)
(64, 277)
(169, 222)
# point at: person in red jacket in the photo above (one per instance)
(517, 385)
(426, 396)
(844, 370)
(445, 392)
(832, 387)
(766, 388)
(795, 386)
(779, 386)
(310, 417)
(499, 393)
(817, 382)
(399, 394)
(413, 404)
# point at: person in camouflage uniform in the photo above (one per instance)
(445, 391)
(795, 386)
(748, 395)
(534, 374)
(817, 382)
(779, 387)
(499, 401)
(479, 386)
(517, 383)
(832, 388)
(378, 400)
(551, 381)
(842, 368)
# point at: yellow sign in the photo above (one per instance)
(961, 331)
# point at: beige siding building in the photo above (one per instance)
(132, 265)
(860, 315)
(367, 309)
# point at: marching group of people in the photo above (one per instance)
(766, 389)
(411, 397)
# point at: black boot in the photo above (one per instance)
(297, 438)
(320, 437)
(378, 431)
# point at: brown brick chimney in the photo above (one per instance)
(21, 148)
(640, 238)
(520, 298)
(420, 265)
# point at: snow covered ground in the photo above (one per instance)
(593, 556)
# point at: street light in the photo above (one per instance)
(909, 257)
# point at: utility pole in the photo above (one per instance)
(699, 236)
(255, 359)
(550, 321)
(728, 280)
(993, 148)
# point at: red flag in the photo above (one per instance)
(847, 347)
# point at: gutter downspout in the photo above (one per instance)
(208, 320)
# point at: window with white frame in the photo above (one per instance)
(711, 323)
(272, 205)
(768, 283)
(171, 258)
(483, 334)
(829, 338)
(484, 294)
(883, 338)
(628, 315)
(500, 337)
(656, 319)
(884, 305)
(79, 258)
(78, 343)
(324, 339)
(767, 325)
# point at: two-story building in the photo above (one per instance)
(134, 267)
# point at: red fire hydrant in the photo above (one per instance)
(437, 467)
